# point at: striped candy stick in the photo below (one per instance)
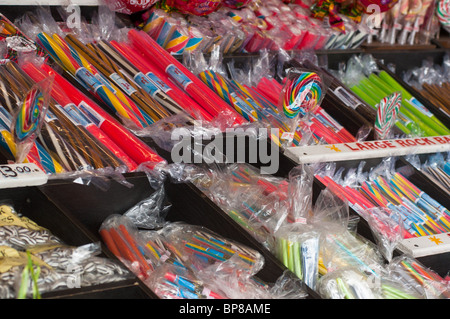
(113, 78)
(387, 111)
(160, 79)
(140, 152)
(87, 78)
(60, 130)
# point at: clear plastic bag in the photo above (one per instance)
(150, 213)
(202, 248)
(300, 193)
(391, 289)
(257, 202)
(387, 228)
(416, 277)
(346, 283)
(344, 249)
(170, 281)
(330, 211)
(297, 247)
(122, 238)
(23, 275)
(233, 283)
(288, 286)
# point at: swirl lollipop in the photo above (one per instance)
(29, 115)
(387, 111)
(28, 120)
(302, 92)
(443, 13)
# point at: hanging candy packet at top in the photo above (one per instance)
(435, 167)
(236, 4)
(195, 7)
(431, 25)
(128, 6)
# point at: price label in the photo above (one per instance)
(19, 175)
(426, 245)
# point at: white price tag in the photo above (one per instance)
(426, 245)
(20, 175)
(368, 149)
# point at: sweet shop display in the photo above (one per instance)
(223, 150)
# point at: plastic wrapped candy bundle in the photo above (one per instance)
(122, 239)
(196, 7)
(236, 4)
(222, 268)
(418, 278)
(34, 261)
(162, 249)
(79, 266)
(170, 281)
(346, 283)
(229, 281)
(435, 166)
(374, 86)
(350, 283)
(297, 246)
(346, 250)
(431, 80)
(399, 280)
(396, 192)
(260, 206)
(201, 248)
